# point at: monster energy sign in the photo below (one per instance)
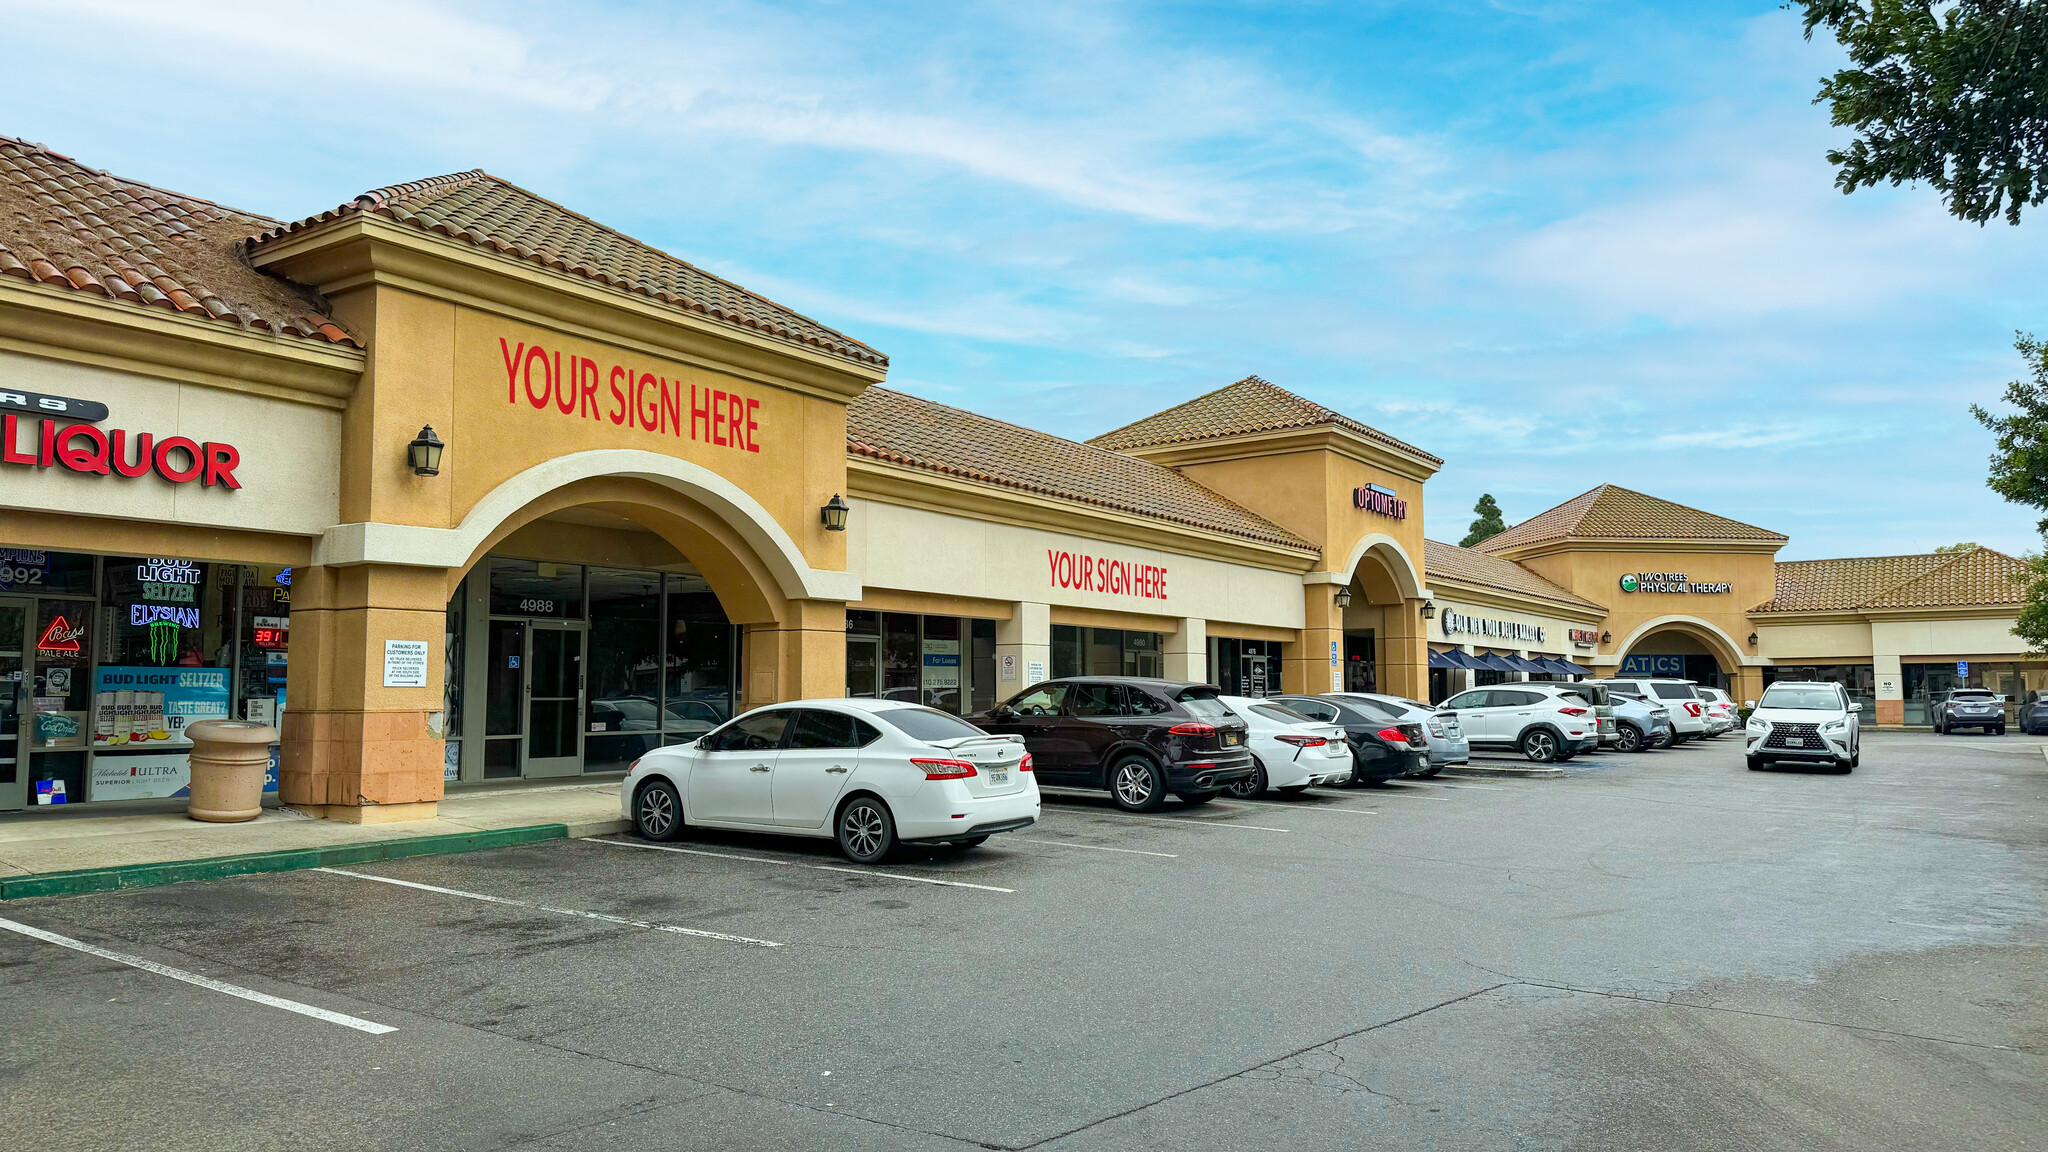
(1669, 582)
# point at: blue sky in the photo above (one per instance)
(1556, 244)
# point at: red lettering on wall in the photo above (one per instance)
(10, 455)
(94, 460)
(537, 399)
(176, 475)
(221, 461)
(48, 439)
(700, 414)
(512, 360)
(752, 406)
(586, 381)
(1104, 574)
(718, 419)
(93, 451)
(618, 415)
(671, 407)
(647, 411)
(145, 453)
(653, 402)
(735, 416)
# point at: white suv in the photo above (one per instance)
(1545, 722)
(1805, 722)
(1681, 697)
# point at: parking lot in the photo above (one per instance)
(1656, 951)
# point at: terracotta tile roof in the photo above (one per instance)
(74, 227)
(480, 209)
(1611, 512)
(1248, 406)
(1980, 577)
(902, 429)
(1442, 561)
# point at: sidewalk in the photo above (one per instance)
(57, 854)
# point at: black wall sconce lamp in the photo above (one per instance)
(424, 453)
(1607, 637)
(1343, 597)
(833, 514)
(1429, 609)
(1752, 639)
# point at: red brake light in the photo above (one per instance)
(1573, 711)
(1023, 765)
(1193, 729)
(1393, 735)
(1302, 741)
(1692, 707)
(944, 769)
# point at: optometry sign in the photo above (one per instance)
(1375, 498)
(1456, 622)
(1670, 582)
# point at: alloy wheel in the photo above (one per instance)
(1628, 739)
(1134, 783)
(863, 829)
(657, 814)
(1251, 786)
(1540, 746)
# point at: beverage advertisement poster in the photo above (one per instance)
(156, 775)
(150, 707)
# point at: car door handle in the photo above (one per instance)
(835, 768)
(760, 768)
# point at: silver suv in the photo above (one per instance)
(1978, 708)
(1688, 711)
(1544, 722)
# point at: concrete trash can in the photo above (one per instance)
(229, 758)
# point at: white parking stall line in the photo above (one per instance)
(195, 979)
(1191, 823)
(1093, 847)
(575, 912)
(799, 864)
(1352, 811)
(1475, 787)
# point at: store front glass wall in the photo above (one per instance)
(1858, 680)
(1079, 651)
(1244, 667)
(944, 662)
(1928, 683)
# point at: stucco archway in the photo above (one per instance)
(1717, 643)
(1399, 566)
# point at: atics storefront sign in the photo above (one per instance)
(1456, 622)
(634, 397)
(1669, 582)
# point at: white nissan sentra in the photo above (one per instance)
(870, 773)
(1289, 750)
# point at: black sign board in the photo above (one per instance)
(83, 411)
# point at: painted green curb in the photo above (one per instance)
(177, 871)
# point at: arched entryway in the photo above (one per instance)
(583, 611)
(1384, 648)
(1682, 647)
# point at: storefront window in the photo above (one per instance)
(940, 681)
(1858, 680)
(622, 714)
(266, 595)
(902, 662)
(1244, 667)
(1928, 683)
(536, 588)
(982, 665)
(701, 661)
(35, 572)
(1078, 651)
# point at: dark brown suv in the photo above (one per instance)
(1136, 738)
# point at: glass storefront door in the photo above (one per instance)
(13, 689)
(554, 698)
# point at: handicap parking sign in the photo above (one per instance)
(1962, 668)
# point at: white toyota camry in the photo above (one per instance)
(1289, 750)
(870, 773)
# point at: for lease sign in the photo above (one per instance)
(1106, 574)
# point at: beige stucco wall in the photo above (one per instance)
(1596, 573)
(289, 471)
(913, 550)
(1976, 636)
(1796, 642)
(1556, 635)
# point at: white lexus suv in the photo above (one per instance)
(1804, 722)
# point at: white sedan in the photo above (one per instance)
(1289, 750)
(870, 773)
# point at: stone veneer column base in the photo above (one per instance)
(1891, 713)
(381, 764)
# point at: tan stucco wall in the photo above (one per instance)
(1596, 574)
(1914, 640)
(1795, 642)
(1556, 637)
(290, 452)
(914, 550)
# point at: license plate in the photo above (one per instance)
(1230, 737)
(1797, 742)
(999, 776)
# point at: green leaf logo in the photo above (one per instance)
(1628, 582)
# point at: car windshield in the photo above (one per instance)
(1783, 696)
(1983, 695)
(1283, 715)
(1204, 705)
(1674, 691)
(928, 724)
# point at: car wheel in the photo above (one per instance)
(658, 811)
(867, 833)
(1539, 745)
(1434, 768)
(2001, 729)
(1195, 799)
(1661, 741)
(1252, 786)
(1137, 785)
(1756, 763)
(1628, 738)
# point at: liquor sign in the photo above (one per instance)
(1669, 582)
(1375, 498)
(113, 452)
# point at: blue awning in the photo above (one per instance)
(1496, 663)
(1458, 659)
(1440, 660)
(1524, 664)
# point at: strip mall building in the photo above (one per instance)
(651, 498)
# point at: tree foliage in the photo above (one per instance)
(2019, 472)
(1953, 92)
(1489, 523)
(1965, 546)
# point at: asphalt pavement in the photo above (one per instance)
(1662, 951)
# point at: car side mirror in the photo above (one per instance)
(1855, 707)
(703, 742)
(1749, 703)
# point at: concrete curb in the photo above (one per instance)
(86, 880)
(1531, 771)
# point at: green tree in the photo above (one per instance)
(1953, 92)
(1489, 523)
(2019, 472)
(1966, 546)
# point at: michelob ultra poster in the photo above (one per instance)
(150, 707)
